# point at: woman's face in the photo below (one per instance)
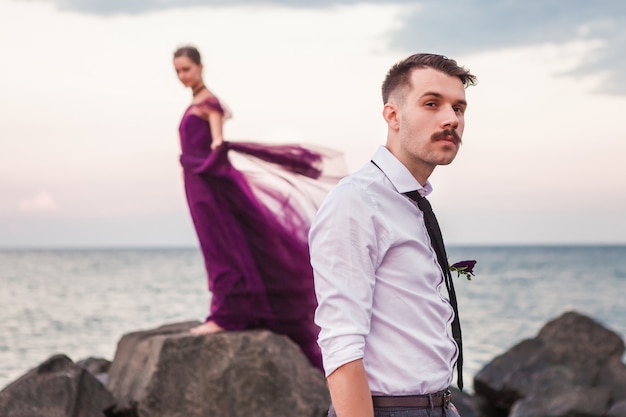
(189, 73)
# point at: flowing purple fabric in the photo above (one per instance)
(251, 206)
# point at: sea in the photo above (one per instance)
(80, 302)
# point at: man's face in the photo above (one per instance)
(431, 118)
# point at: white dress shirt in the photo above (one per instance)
(378, 283)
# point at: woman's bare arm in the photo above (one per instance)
(216, 122)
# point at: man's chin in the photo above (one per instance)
(447, 159)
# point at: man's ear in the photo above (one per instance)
(391, 116)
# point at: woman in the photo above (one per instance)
(252, 224)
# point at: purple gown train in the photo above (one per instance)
(251, 206)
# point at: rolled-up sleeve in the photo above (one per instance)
(345, 242)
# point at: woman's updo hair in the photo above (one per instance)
(190, 52)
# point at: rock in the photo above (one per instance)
(582, 343)
(613, 375)
(95, 366)
(617, 410)
(501, 382)
(56, 388)
(98, 367)
(464, 403)
(576, 401)
(564, 371)
(169, 372)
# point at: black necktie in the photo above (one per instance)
(432, 226)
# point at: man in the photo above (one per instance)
(384, 320)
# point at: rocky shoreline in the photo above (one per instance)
(572, 368)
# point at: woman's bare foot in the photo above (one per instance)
(206, 328)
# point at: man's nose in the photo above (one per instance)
(450, 118)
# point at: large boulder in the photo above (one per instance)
(573, 367)
(617, 410)
(613, 375)
(98, 367)
(170, 372)
(568, 401)
(56, 388)
(464, 403)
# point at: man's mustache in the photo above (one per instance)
(447, 133)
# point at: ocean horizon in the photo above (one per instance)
(81, 301)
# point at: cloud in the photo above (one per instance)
(106, 7)
(464, 27)
(40, 202)
(479, 25)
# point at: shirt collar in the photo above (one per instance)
(400, 177)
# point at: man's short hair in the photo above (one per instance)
(399, 75)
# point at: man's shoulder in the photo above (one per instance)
(366, 186)
(356, 197)
(365, 177)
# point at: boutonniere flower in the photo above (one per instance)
(464, 268)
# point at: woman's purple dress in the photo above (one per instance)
(252, 225)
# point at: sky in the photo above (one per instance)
(90, 106)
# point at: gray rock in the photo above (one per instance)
(553, 372)
(169, 372)
(582, 344)
(95, 366)
(613, 375)
(56, 388)
(617, 410)
(98, 367)
(465, 404)
(575, 401)
(502, 381)
(575, 336)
